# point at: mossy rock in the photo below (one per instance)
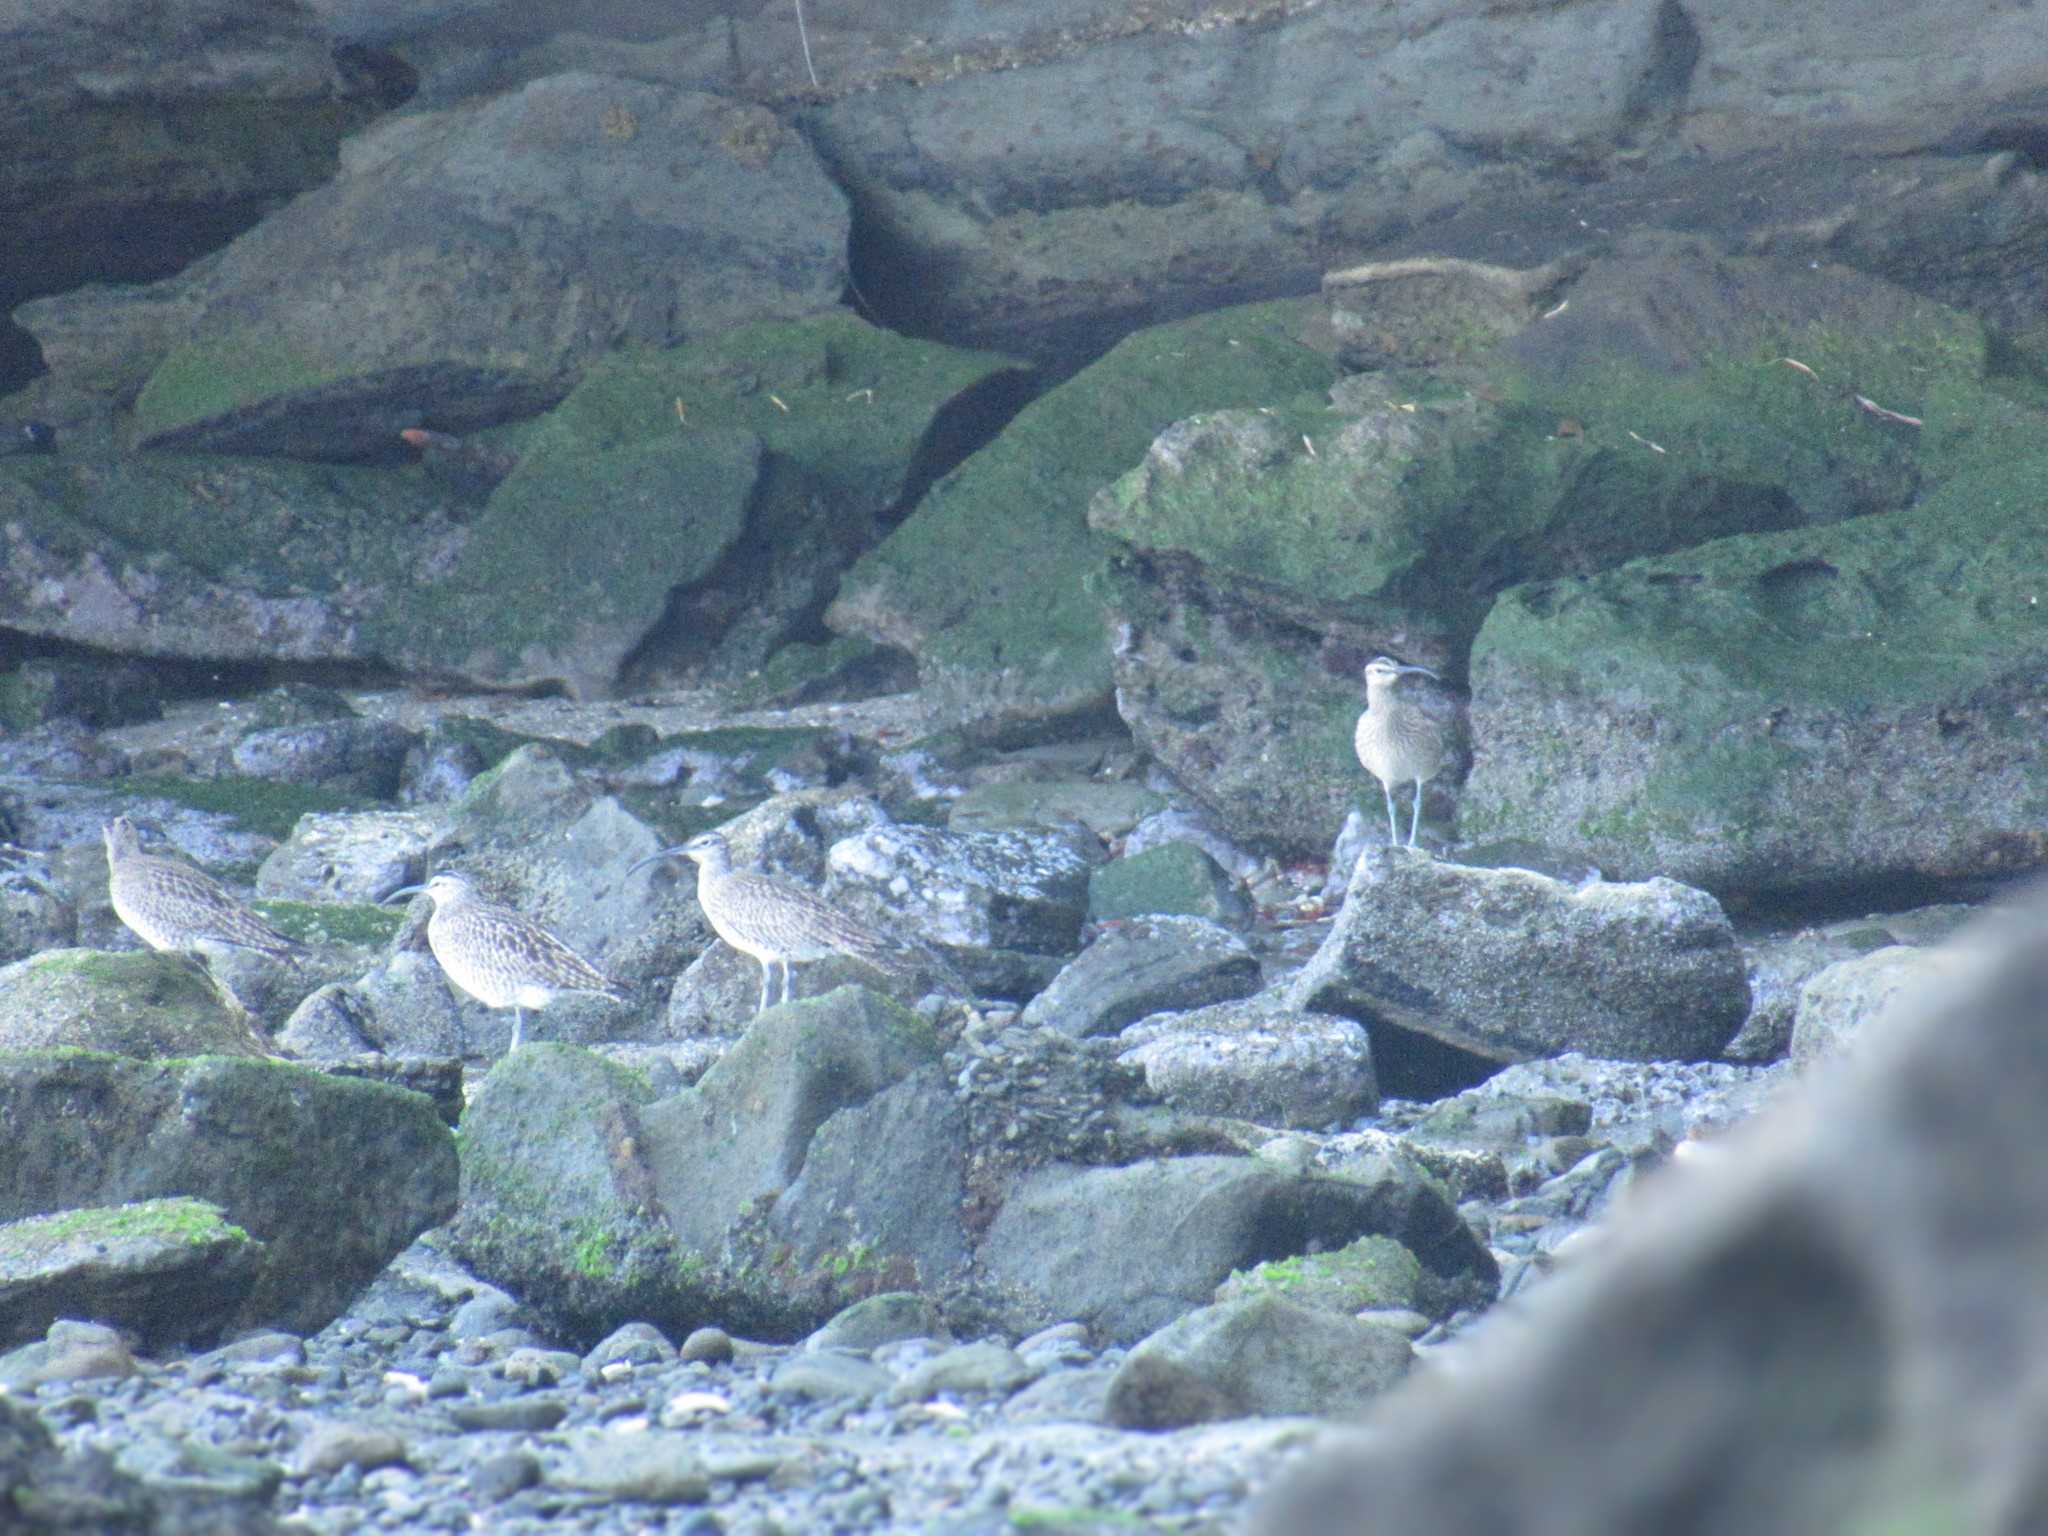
(166, 1270)
(333, 1176)
(1263, 572)
(1173, 879)
(1373, 1273)
(848, 402)
(993, 581)
(130, 1002)
(1850, 703)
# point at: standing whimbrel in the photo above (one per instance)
(172, 906)
(1397, 741)
(776, 923)
(499, 957)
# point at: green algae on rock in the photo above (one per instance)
(1859, 702)
(994, 582)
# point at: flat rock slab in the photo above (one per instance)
(166, 1270)
(1513, 965)
(333, 1176)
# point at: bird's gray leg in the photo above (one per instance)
(788, 982)
(1393, 826)
(518, 1028)
(1415, 821)
(767, 976)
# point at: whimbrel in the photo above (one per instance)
(1397, 741)
(776, 923)
(500, 957)
(172, 906)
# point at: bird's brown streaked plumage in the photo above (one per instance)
(172, 906)
(773, 921)
(500, 957)
(1397, 740)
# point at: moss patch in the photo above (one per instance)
(992, 581)
(846, 401)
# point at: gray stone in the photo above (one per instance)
(1513, 965)
(357, 757)
(1173, 879)
(35, 914)
(166, 1270)
(1843, 1278)
(360, 856)
(997, 890)
(830, 1373)
(747, 1127)
(1372, 1274)
(69, 1351)
(1126, 1250)
(1256, 1061)
(1839, 1005)
(667, 1194)
(880, 1320)
(653, 1468)
(332, 1176)
(634, 1344)
(981, 1369)
(328, 1447)
(1145, 966)
(1107, 808)
(1079, 1396)
(884, 1184)
(1258, 1355)
(135, 1003)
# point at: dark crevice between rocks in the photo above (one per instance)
(1660, 90)
(966, 424)
(375, 74)
(2027, 138)
(178, 677)
(1408, 1065)
(1814, 905)
(21, 360)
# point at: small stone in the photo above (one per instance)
(979, 1370)
(880, 1320)
(330, 1447)
(531, 1415)
(633, 1344)
(497, 1478)
(649, 1468)
(827, 1373)
(713, 1345)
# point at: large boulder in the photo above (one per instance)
(138, 118)
(1271, 552)
(573, 214)
(1127, 1250)
(1512, 965)
(1772, 712)
(669, 1195)
(332, 1176)
(136, 1002)
(166, 1270)
(1815, 1332)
